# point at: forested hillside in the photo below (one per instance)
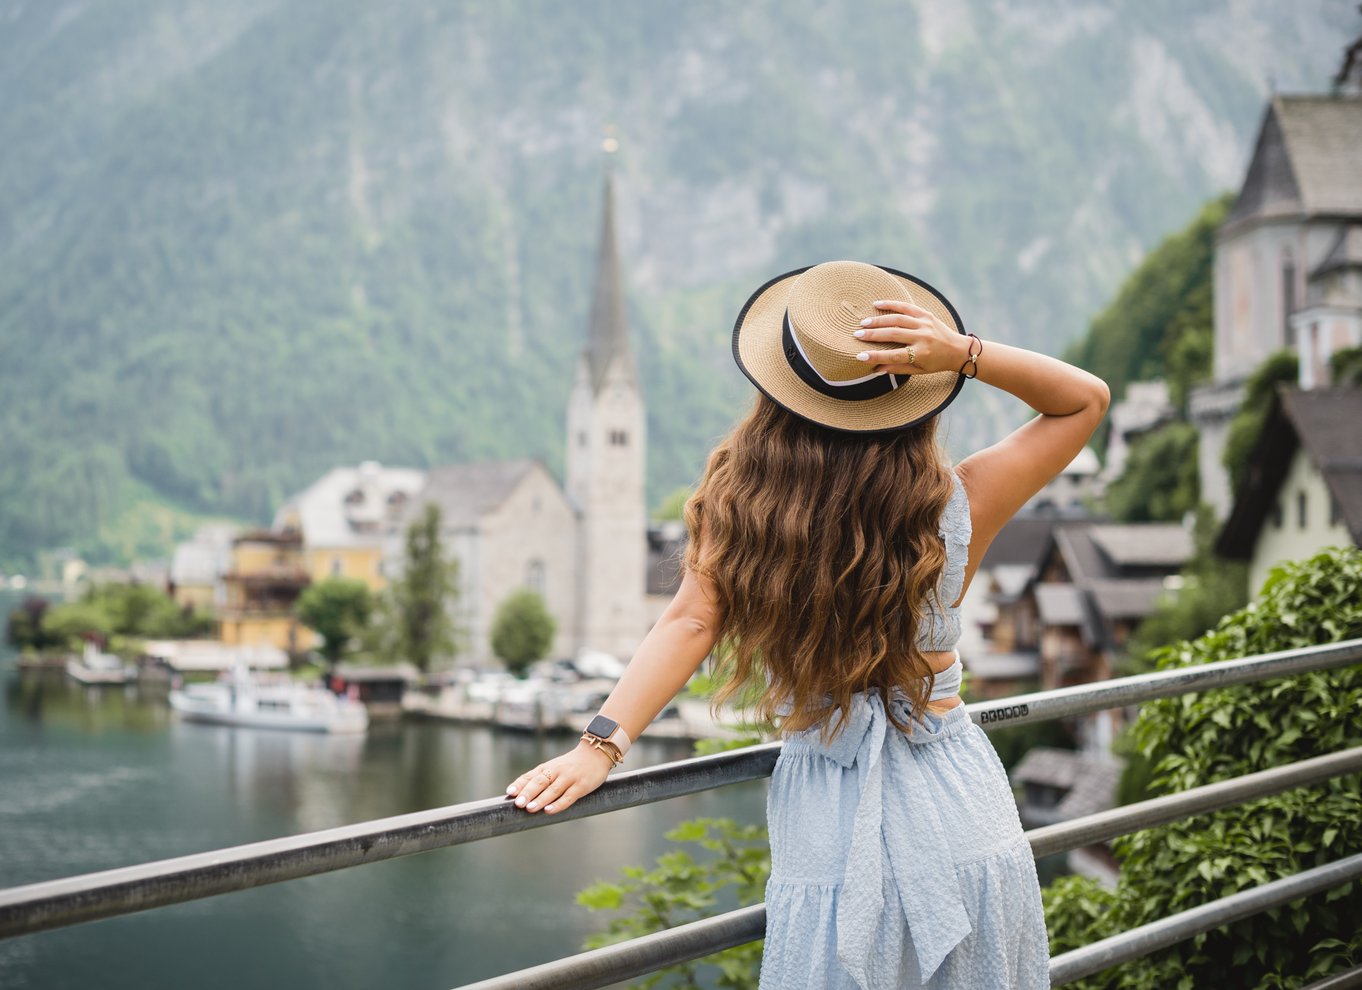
(241, 242)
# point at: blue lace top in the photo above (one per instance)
(940, 625)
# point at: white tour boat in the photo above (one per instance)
(239, 699)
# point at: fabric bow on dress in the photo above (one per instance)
(913, 849)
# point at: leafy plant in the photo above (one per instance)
(1247, 424)
(1222, 733)
(681, 888)
(338, 609)
(1159, 482)
(522, 630)
(412, 619)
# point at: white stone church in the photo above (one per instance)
(586, 546)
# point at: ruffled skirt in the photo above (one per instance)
(955, 900)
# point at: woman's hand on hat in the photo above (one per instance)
(556, 785)
(929, 345)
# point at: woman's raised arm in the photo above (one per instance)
(998, 479)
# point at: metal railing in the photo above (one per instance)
(56, 903)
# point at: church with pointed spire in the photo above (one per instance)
(585, 546)
(605, 463)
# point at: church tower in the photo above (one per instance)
(605, 465)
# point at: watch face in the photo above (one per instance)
(602, 726)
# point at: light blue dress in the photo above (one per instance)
(898, 860)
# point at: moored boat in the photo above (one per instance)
(94, 666)
(241, 700)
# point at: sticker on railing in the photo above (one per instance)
(1003, 714)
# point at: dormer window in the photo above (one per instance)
(355, 497)
(619, 438)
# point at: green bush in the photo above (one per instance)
(122, 609)
(338, 610)
(681, 889)
(522, 630)
(1214, 735)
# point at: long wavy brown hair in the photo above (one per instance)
(823, 547)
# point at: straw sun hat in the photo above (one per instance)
(795, 340)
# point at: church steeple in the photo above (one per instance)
(606, 464)
(608, 332)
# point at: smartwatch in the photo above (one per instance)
(607, 730)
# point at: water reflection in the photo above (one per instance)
(94, 778)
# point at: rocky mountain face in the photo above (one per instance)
(241, 242)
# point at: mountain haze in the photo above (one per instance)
(242, 242)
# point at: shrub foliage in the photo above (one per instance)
(1201, 738)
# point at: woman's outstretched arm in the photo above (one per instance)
(999, 479)
(671, 652)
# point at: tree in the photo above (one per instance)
(25, 628)
(1159, 483)
(1345, 366)
(1222, 733)
(522, 630)
(413, 617)
(1247, 424)
(1159, 324)
(337, 609)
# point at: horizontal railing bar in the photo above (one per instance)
(599, 968)
(88, 897)
(55, 903)
(638, 956)
(1339, 981)
(1103, 825)
(1141, 941)
(1083, 699)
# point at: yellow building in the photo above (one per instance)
(266, 577)
(344, 518)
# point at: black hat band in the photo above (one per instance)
(872, 386)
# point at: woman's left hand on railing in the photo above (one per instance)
(556, 785)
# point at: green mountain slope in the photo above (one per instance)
(242, 242)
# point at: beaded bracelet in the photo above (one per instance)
(973, 357)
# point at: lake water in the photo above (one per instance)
(92, 779)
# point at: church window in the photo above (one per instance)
(1288, 297)
(536, 505)
(581, 438)
(534, 576)
(1277, 515)
(619, 438)
(335, 566)
(1335, 513)
(1301, 507)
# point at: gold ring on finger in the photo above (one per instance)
(912, 356)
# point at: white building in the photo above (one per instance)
(1304, 486)
(1288, 263)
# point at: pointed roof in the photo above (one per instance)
(1307, 161)
(608, 332)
